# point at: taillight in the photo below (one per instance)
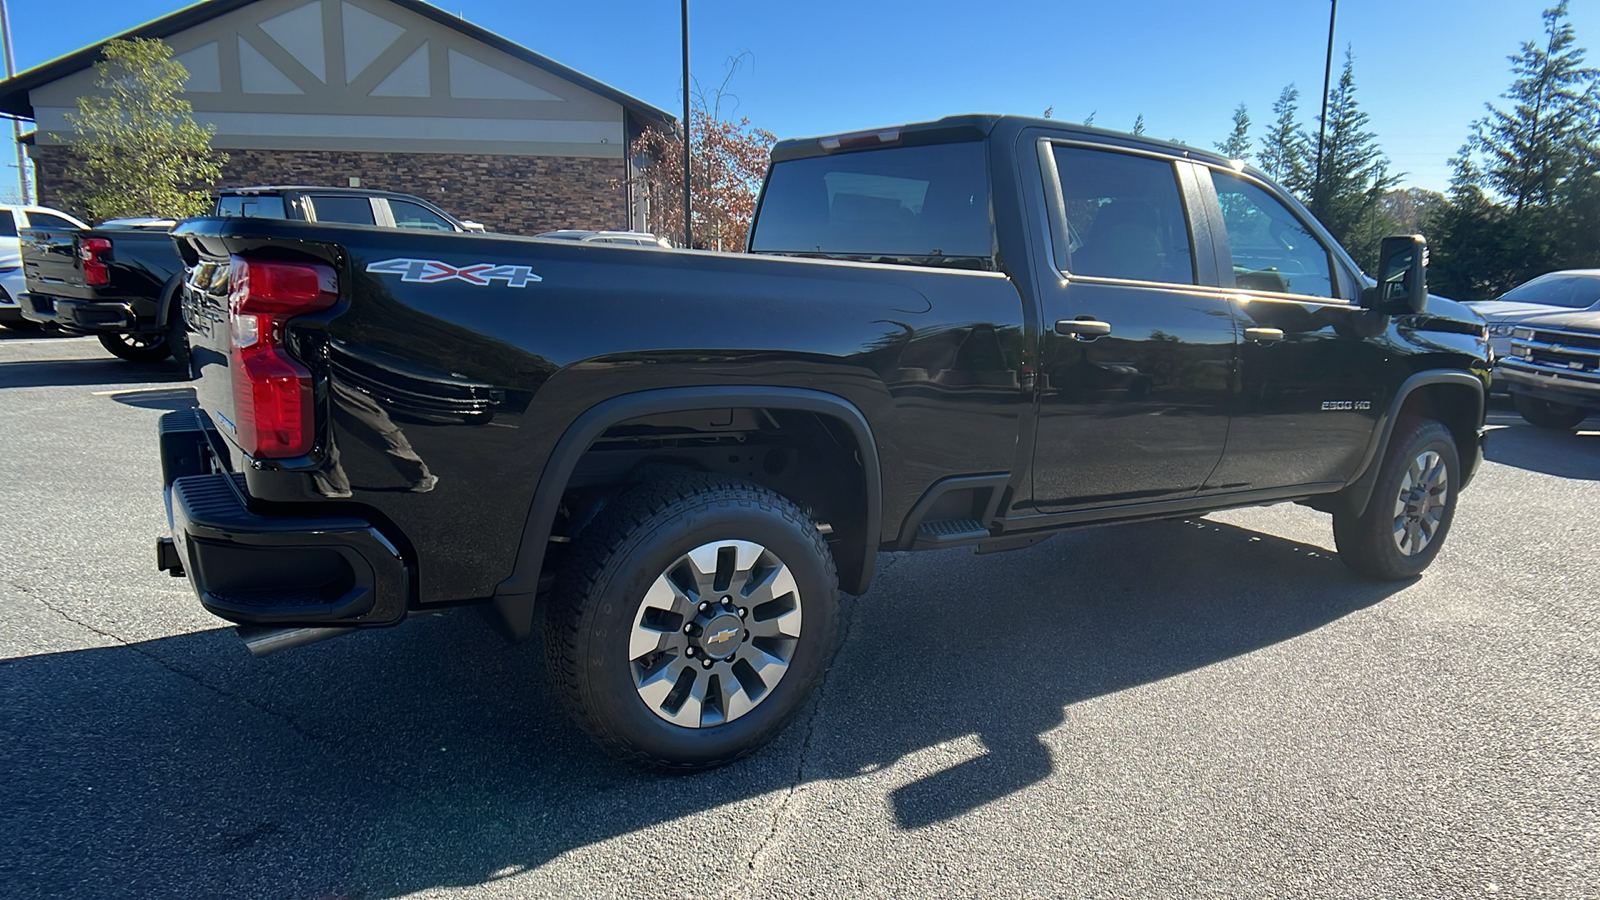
(272, 395)
(95, 270)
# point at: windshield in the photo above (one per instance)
(1570, 291)
(925, 205)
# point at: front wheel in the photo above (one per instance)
(691, 622)
(1411, 507)
(1545, 414)
(137, 348)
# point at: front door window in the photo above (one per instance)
(1272, 250)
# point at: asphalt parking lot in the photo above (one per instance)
(1214, 707)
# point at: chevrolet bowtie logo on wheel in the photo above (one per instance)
(726, 634)
(432, 271)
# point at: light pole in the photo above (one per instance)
(16, 124)
(688, 235)
(1322, 123)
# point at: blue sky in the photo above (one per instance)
(1424, 68)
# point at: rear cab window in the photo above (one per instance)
(249, 206)
(919, 205)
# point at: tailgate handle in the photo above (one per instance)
(1263, 335)
(1084, 329)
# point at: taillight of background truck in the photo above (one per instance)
(271, 390)
(95, 270)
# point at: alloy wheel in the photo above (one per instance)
(1420, 506)
(715, 633)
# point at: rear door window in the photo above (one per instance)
(927, 204)
(250, 207)
(8, 225)
(1125, 216)
(348, 210)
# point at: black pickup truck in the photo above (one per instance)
(120, 280)
(978, 331)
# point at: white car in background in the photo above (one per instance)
(12, 220)
(1563, 291)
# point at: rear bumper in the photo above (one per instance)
(260, 569)
(80, 316)
(1572, 388)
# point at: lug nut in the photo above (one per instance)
(689, 628)
(706, 663)
(705, 606)
(689, 652)
(747, 635)
(743, 613)
(727, 603)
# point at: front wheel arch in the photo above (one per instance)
(1452, 397)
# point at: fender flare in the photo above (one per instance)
(514, 599)
(170, 294)
(1359, 491)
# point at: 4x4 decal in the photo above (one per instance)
(432, 271)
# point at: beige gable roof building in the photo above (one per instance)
(396, 93)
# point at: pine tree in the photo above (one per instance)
(1138, 124)
(1285, 152)
(1530, 149)
(1348, 197)
(1237, 146)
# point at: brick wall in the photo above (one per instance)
(513, 194)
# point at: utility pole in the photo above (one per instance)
(688, 234)
(16, 124)
(1322, 123)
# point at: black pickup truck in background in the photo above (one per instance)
(121, 280)
(973, 332)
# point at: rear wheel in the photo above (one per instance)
(1411, 508)
(1545, 414)
(692, 621)
(137, 348)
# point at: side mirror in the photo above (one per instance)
(1402, 276)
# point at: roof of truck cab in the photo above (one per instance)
(978, 126)
(313, 188)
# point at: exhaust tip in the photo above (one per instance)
(264, 640)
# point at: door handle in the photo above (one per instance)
(1263, 335)
(1082, 329)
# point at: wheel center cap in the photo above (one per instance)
(722, 635)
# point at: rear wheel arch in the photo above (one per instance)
(855, 556)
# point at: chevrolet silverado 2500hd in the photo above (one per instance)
(977, 331)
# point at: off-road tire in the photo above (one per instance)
(1366, 542)
(146, 351)
(616, 559)
(1545, 414)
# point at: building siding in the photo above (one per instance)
(510, 194)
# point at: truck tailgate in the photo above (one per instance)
(50, 262)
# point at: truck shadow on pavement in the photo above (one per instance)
(1558, 453)
(433, 755)
(82, 372)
